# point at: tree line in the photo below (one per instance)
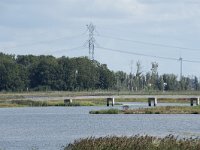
(37, 73)
(28, 72)
(139, 81)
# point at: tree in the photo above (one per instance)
(172, 82)
(86, 73)
(138, 76)
(106, 77)
(120, 78)
(11, 76)
(154, 75)
(45, 74)
(196, 83)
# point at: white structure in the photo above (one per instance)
(193, 100)
(67, 101)
(154, 99)
(112, 100)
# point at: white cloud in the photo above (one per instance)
(172, 10)
(123, 7)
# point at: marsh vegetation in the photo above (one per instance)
(135, 143)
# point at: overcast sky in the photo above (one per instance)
(55, 27)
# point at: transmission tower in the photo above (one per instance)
(91, 41)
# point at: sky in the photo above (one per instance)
(154, 29)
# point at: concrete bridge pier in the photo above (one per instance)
(193, 100)
(67, 101)
(112, 100)
(152, 99)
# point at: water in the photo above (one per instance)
(51, 128)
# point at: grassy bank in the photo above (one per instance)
(31, 103)
(154, 110)
(135, 143)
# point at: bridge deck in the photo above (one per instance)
(138, 96)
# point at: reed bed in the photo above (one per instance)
(136, 142)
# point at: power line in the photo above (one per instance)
(138, 54)
(143, 34)
(149, 43)
(70, 49)
(146, 55)
(45, 41)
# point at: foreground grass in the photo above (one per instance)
(135, 143)
(154, 110)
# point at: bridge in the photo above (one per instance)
(194, 99)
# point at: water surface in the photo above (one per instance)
(50, 128)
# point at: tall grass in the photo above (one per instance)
(134, 143)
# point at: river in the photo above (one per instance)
(51, 128)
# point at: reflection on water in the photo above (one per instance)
(52, 127)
